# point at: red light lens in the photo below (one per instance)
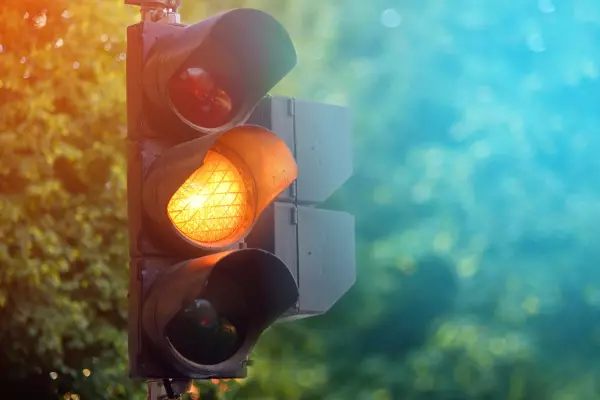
(199, 99)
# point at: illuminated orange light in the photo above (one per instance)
(215, 203)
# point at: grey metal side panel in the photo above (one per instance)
(282, 120)
(276, 114)
(326, 258)
(316, 245)
(286, 237)
(282, 124)
(323, 149)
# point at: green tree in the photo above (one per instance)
(63, 256)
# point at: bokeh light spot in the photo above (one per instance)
(443, 242)
(406, 264)
(546, 6)
(382, 195)
(390, 18)
(422, 192)
(467, 267)
(531, 304)
(40, 21)
(590, 69)
(498, 346)
(592, 295)
(481, 150)
(535, 42)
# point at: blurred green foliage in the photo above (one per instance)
(474, 195)
(62, 195)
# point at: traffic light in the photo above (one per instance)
(224, 236)
(198, 179)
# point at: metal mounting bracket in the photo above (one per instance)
(162, 11)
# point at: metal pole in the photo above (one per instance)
(166, 12)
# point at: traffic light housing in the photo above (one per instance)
(222, 222)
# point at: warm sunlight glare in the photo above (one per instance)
(214, 203)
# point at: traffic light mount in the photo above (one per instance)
(164, 11)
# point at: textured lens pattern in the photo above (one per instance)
(214, 203)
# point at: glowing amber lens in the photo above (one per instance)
(214, 203)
